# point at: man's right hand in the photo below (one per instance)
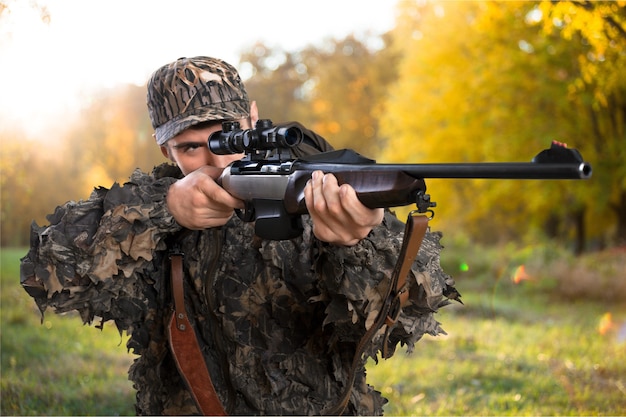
(198, 202)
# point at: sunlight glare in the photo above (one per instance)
(52, 64)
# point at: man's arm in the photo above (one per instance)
(93, 251)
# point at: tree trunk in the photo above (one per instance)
(579, 224)
(620, 211)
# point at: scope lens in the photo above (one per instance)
(293, 136)
(288, 136)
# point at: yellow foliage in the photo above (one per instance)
(483, 82)
(96, 176)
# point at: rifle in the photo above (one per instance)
(271, 182)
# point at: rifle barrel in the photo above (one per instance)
(509, 170)
(494, 170)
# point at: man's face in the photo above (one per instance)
(190, 150)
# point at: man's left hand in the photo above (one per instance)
(338, 215)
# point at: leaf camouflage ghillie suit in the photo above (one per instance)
(278, 322)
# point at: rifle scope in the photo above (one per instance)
(265, 136)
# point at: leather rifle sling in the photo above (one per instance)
(416, 227)
(396, 295)
(186, 349)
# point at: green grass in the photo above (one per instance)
(514, 349)
(531, 348)
(58, 366)
(500, 361)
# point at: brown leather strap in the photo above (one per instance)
(415, 230)
(396, 296)
(186, 349)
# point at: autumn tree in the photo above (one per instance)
(33, 181)
(335, 88)
(112, 138)
(479, 82)
(276, 79)
(15, 189)
(596, 31)
(351, 79)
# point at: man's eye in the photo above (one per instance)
(191, 147)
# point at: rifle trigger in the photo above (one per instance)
(246, 214)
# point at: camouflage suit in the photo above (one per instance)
(278, 321)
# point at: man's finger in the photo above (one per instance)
(217, 195)
(213, 172)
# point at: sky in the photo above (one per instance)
(48, 68)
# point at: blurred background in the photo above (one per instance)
(399, 81)
(413, 81)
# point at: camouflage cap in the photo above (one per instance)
(194, 90)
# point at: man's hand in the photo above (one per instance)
(338, 215)
(198, 202)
